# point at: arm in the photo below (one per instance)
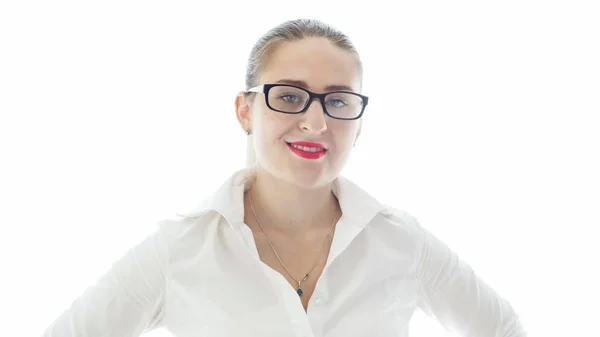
(462, 302)
(125, 302)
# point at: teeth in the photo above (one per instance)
(307, 149)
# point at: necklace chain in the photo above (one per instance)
(305, 277)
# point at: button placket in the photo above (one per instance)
(317, 312)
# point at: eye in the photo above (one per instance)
(337, 103)
(290, 98)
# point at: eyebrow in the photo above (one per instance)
(305, 85)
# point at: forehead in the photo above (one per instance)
(315, 61)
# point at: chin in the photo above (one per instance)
(302, 173)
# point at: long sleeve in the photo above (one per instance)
(125, 302)
(454, 295)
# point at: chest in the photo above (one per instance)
(222, 288)
(300, 261)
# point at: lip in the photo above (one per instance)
(306, 154)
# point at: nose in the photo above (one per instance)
(314, 118)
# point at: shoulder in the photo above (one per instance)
(181, 234)
(399, 217)
(365, 209)
(402, 226)
(190, 229)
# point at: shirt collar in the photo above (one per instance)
(358, 207)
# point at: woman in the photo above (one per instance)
(288, 247)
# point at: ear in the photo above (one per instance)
(242, 110)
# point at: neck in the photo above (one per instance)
(284, 206)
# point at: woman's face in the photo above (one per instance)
(319, 66)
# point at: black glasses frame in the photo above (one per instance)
(265, 88)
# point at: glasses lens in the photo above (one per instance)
(293, 100)
(343, 105)
(287, 99)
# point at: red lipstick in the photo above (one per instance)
(308, 150)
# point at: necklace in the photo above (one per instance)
(299, 290)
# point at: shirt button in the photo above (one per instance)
(319, 302)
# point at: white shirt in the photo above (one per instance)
(201, 275)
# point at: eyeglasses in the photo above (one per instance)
(291, 99)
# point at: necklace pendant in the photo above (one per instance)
(300, 291)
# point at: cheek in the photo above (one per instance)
(345, 133)
(278, 124)
(272, 126)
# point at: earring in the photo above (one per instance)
(248, 132)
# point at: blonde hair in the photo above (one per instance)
(293, 30)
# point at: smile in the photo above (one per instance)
(307, 152)
(308, 149)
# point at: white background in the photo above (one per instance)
(483, 123)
